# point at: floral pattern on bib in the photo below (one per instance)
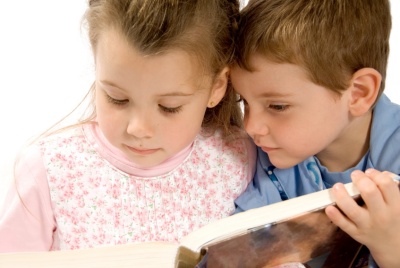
(97, 204)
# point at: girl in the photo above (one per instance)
(161, 155)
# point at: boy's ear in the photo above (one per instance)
(219, 88)
(364, 89)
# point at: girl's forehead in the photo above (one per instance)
(120, 63)
(114, 48)
(114, 42)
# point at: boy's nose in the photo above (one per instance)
(255, 125)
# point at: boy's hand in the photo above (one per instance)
(377, 223)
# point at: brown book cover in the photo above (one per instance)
(311, 239)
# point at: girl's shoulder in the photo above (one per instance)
(236, 153)
(50, 139)
(62, 136)
(239, 143)
(65, 139)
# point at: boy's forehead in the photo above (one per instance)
(269, 78)
(260, 63)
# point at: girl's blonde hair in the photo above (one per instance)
(203, 28)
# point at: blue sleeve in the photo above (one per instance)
(385, 136)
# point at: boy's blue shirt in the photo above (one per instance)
(271, 185)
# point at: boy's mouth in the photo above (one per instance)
(268, 149)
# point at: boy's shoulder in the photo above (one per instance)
(385, 121)
(385, 136)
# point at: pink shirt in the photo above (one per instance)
(75, 190)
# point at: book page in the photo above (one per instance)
(146, 255)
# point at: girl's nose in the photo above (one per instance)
(140, 126)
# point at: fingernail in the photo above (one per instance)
(369, 171)
(356, 173)
(337, 186)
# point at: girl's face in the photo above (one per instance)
(149, 107)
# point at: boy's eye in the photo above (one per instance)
(240, 99)
(115, 101)
(170, 110)
(278, 107)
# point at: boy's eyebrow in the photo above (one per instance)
(275, 94)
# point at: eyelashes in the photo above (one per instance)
(115, 101)
(278, 107)
(170, 110)
(164, 109)
(274, 107)
(240, 99)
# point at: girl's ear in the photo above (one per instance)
(364, 90)
(219, 88)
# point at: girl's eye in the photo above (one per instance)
(115, 101)
(278, 107)
(169, 110)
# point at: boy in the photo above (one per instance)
(311, 75)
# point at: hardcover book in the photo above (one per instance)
(293, 231)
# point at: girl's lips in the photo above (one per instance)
(142, 151)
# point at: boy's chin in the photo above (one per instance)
(285, 164)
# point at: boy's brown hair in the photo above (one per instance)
(331, 39)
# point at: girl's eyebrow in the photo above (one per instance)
(169, 94)
(176, 94)
(111, 84)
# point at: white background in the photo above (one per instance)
(46, 68)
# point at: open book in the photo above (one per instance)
(295, 230)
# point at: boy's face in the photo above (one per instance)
(287, 115)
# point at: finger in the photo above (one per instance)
(370, 193)
(340, 220)
(349, 207)
(388, 184)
